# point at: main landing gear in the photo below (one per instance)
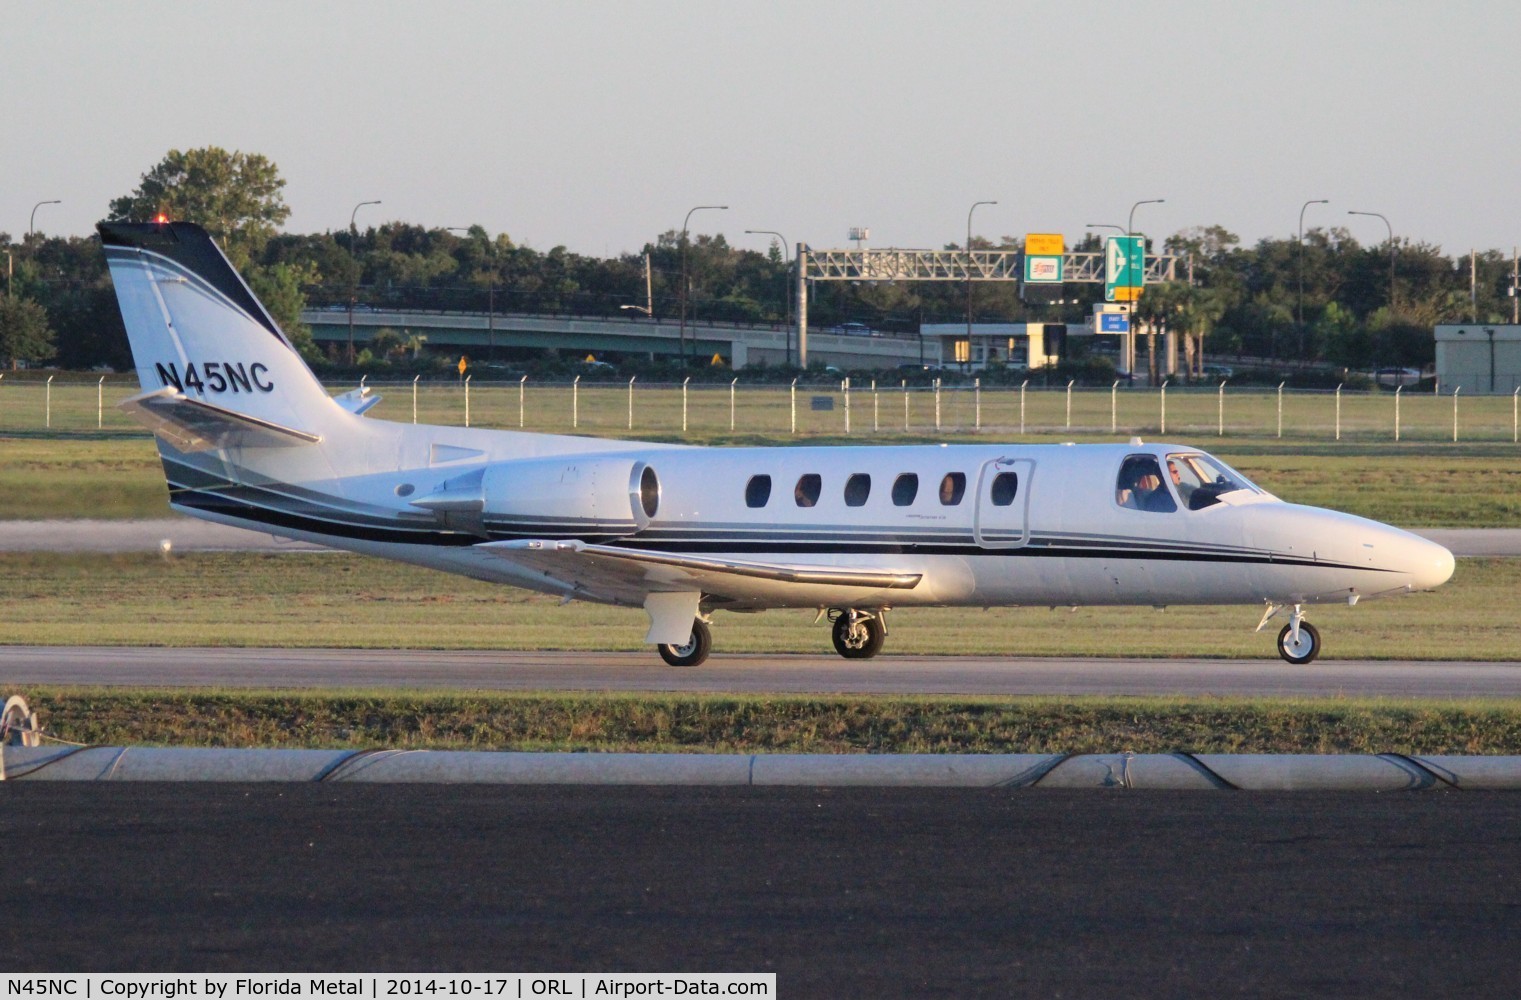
(858, 635)
(1298, 641)
(692, 652)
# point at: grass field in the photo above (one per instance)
(337, 600)
(733, 724)
(117, 475)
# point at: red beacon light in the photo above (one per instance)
(161, 218)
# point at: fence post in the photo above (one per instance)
(1022, 405)
(48, 413)
(1069, 403)
(1397, 390)
(977, 404)
(575, 403)
(1338, 409)
(520, 399)
(467, 400)
(874, 426)
(414, 397)
(794, 407)
(937, 405)
(731, 403)
(1280, 409)
(631, 401)
(1164, 406)
(845, 390)
(904, 383)
(1455, 413)
(1515, 426)
(684, 403)
(1113, 407)
(100, 403)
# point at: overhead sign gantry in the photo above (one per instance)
(862, 264)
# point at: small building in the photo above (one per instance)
(1478, 357)
(1017, 345)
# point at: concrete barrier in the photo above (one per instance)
(1246, 772)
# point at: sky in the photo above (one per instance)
(597, 126)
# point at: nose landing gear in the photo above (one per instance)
(1298, 641)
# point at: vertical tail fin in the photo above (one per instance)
(196, 328)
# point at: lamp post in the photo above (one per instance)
(1151, 349)
(786, 284)
(33, 220)
(1391, 253)
(354, 288)
(969, 275)
(1299, 254)
(683, 270)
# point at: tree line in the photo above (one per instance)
(1329, 299)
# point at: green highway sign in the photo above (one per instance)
(1124, 268)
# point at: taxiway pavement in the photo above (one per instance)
(841, 892)
(742, 673)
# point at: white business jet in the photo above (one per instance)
(248, 437)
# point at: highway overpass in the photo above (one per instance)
(477, 335)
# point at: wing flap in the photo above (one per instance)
(193, 425)
(672, 571)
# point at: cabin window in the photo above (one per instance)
(1005, 488)
(857, 489)
(1140, 486)
(808, 488)
(758, 491)
(952, 488)
(905, 488)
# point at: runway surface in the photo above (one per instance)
(185, 534)
(840, 892)
(560, 671)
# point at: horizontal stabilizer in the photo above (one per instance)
(358, 400)
(705, 570)
(192, 425)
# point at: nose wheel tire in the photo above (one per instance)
(858, 636)
(692, 652)
(1303, 651)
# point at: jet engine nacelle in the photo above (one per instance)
(571, 495)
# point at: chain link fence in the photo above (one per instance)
(80, 404)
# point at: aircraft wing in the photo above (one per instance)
(192, 425)
(599, 567)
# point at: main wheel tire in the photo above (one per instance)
(1303, 651)
(867, 640)
(692, 652)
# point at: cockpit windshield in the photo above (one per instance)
(1202, 479)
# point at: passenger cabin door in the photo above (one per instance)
(1001, 517)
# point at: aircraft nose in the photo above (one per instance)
(1431, 564)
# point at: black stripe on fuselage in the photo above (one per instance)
(273, 518)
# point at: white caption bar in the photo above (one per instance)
(236, 986)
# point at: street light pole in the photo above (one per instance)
(1391, 253)
(1151, 347)
(353, 288)
(684, 279)
(969, 275)
(787, 284)
(1299, 254)
(33, 220)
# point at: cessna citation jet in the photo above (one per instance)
(249, 437)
